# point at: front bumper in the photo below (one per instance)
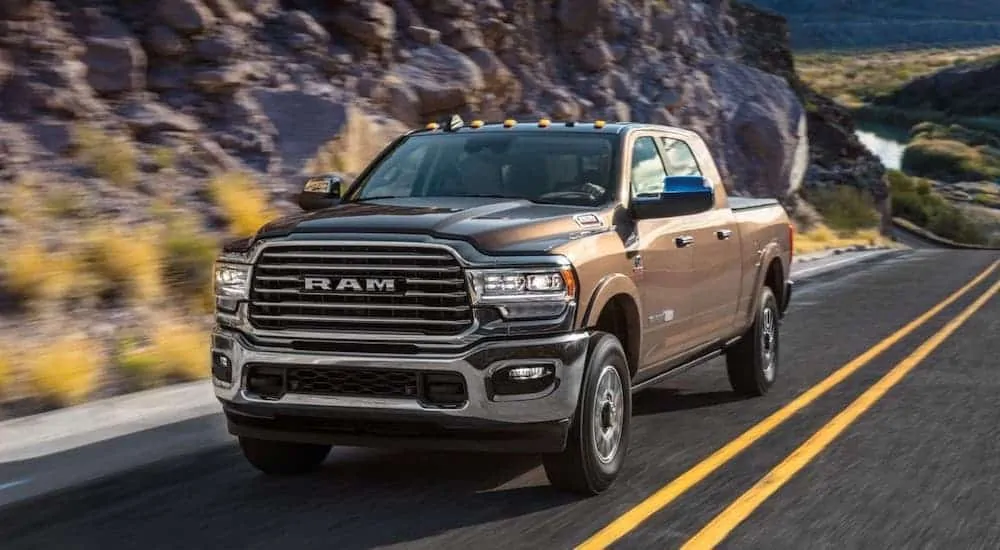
(526, 422)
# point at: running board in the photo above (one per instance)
(684, 367)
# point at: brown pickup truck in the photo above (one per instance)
(502, 287)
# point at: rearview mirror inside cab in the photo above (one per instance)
(322, 191)
(681, 196)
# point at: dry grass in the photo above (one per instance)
(822, 238)
(180, 350)
(125, 263)
(243, 203)
(65, 371)
(110, 157)
(33, 274)
(853, 78)
(6, 371)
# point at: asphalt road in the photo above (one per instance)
(919, 469)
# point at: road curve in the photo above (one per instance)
(919, 468)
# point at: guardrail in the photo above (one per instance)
(926, 235)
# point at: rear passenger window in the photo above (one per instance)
(680, 159)
(647, 168)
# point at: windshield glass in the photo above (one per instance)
(556, 168)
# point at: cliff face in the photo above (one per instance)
(258, 85)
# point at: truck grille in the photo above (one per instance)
(374, 383)
(393, 289)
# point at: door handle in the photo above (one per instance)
(683, 241)
(723, 234)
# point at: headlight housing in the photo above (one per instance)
(524, 293)
(232, 285)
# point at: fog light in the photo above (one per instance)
(527, 373)
(522, 379)
(222, 368)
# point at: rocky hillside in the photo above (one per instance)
(826, 24)
(971, 89)
(134, 135)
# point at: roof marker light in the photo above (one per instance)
(544, 123)
(509, 123)
(476, 124)
(598, 124)
(433, 126)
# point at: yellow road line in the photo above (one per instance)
(741, 508)
(668, 493)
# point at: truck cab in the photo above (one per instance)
(502, 287)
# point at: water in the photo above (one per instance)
(886, 142)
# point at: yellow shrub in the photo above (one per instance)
(32, 273)
(125, 263)
(66, 370)
(111, 158)
(822, 237)
(243, 204)
(139, 364)
(180, 350)
(6, 371)
(20, 203)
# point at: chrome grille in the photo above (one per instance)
(433, 298)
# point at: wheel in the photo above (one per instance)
(753, 362)
(283, 458)
(599, 434)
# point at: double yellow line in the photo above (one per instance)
(725, 522)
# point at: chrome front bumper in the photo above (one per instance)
(482, 410)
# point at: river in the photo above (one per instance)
(885, 141)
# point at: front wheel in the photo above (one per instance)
(599, 435)
(282, 458)
(752, 363)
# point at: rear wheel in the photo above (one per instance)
(752, 363)
(283, 458)
(599, 435)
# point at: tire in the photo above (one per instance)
(752, 363)
(605, 404)
(280, 458)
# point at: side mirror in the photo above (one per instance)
(681, 196)
(322, 191)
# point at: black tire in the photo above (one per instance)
(753, 362)
(581, 468)
(282, 458)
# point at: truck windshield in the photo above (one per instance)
(568, 168)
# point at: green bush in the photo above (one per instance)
(913, 199)
(845, 208)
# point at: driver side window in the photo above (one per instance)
(647, 168)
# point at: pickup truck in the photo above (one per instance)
(498, 287)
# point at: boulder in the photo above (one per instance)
(115, 65)
(444, 79)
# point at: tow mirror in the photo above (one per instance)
(322, 191)
(681, 196)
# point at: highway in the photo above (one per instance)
(872, 438)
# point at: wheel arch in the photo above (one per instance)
(615, 308)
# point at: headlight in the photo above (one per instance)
(232, 284)
(529, 293)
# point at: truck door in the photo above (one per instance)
(667, 273)
(717, 268)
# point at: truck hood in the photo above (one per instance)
(491, 225)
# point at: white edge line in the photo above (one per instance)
(824, 267)
(15, 483)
